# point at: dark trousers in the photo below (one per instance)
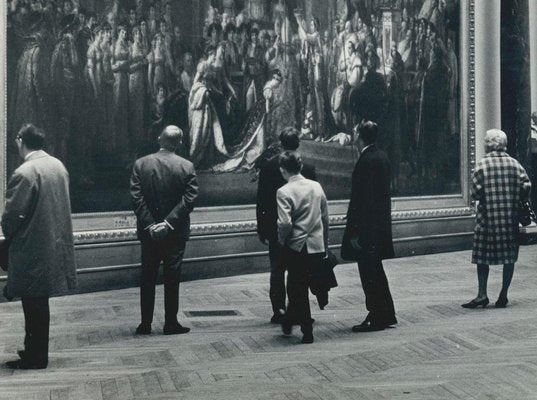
(36, 325)
(299, 267)
(170, 252)
(277, 277)
(378, 299)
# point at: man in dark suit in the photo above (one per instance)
(369, 228)
(270, 180)
(37, 223)
(163, 189)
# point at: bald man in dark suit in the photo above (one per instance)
(163, 190)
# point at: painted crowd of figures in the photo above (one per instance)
(107, 83)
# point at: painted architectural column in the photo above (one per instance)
(532, 5)
(515, 75)
(3, 106)
(487, 70)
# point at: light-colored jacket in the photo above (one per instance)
(37, 221)
(302, 215)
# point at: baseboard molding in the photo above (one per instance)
(113, 265)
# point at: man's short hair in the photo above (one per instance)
(290, 138)
(495, 140)
(171, 137)
(368, 131)
(32, 137)
(291, 162)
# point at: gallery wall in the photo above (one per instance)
(108, 252)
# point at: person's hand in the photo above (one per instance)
(159, 231)
(354, 243)
(262, 239)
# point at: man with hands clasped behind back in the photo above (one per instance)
(163, 190)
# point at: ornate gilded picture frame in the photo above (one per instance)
(279, 22)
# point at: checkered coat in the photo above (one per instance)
(498, 183)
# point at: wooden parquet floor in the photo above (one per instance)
(438, 351)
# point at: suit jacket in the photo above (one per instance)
(302, 215)
(369, 212)
(163, 188)
(37, 222)
(270, 180)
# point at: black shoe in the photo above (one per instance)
(175, 329)
(501, 302)
(21, 364)
(143, 329)
(276, 319)
(287, 328)
(307, 338)
(474, 304)
(368, 328)
(363, 324)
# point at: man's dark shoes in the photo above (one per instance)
(474, 304)
(287, 328)
(307, 338)
(143, 329)
(501, 302)
(368, 327)
(175, 329)
(23, 364)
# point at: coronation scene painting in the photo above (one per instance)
(104, 77)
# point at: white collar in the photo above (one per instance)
(365, 148)
(295, 178)
(29, 154)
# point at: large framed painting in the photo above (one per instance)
(104, 77)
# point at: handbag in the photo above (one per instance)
(525, 213)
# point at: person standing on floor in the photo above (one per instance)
(303, 236)
(37, 224)
(499, 183)
(368, 232)
(163, 190)
(270, 180)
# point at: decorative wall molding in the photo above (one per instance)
(471, 91)
(129, 234)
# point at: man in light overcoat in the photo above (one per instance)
(37, 224)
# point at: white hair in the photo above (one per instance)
(495, 140)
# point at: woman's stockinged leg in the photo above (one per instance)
(482, 279)
(508, 270)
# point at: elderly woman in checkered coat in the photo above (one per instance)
(499, 183)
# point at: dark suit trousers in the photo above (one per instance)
(36, 324)
(299, 266)
(277, 277)
(378, 298)
(170, 252)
